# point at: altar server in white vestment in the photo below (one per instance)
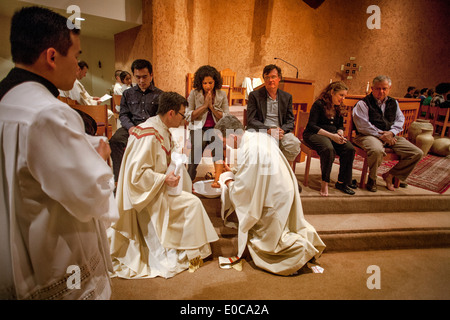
(56, 197)
(264, 194)
(82, 97)
(158, 234)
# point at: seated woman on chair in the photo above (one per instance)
(207, 105)
(324, 133)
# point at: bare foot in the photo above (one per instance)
(324, 189)
(215, 185)
(388, 178)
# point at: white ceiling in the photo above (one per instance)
(94, 26)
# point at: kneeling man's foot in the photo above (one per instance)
(195, 263)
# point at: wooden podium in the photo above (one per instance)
(302, 92)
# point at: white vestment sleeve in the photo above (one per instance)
(68, 167)
(139, 180)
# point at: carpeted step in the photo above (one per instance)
(391, 240)
(366, 230)
(373, 204)
(381, 231)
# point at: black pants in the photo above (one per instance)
(118, 143)
(327, 150)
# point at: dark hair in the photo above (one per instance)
(424, 90)
(141, 64)
(330, 109)
(430, 92)
(123, 75)
(270, 67)
(443, 87)
(227, 124)
(83, 64)
(410, 88)
(35, 29)
(170, 101)
(207, 71)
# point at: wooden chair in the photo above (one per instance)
(115, 101)
(410, 110)
(71, 102)
(390, 155)
(67, 100)
(189, 84)
(296, 107)
(235, 93)
(63, 99)
(226, 88)
(300, 125)
(410, 115)
(301, 120)
(100, 114)
(424, 112)
(441, 120)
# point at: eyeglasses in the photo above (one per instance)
(184, 117)
(267, 78)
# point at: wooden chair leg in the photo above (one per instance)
(307, 167)
(362, 183)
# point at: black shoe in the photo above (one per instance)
(344, 188)
(353, 185)
(371, 185)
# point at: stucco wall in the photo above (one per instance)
(178, 36)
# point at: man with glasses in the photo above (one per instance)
(270, 108)
(378, 119)
(138, 103)
(158, 234)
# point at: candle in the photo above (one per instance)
(342, 67)
(367, 89)
(331, 80)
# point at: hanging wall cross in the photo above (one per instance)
(350, 69)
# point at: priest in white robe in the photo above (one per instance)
(263, 192)
(158, 234)
(56, 197)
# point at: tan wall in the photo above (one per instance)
(97, 81)
(178, 36)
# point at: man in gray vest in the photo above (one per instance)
(378, 119)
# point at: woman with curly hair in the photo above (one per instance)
(207, 105)
(325, 134)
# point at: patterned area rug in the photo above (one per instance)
(431, 173)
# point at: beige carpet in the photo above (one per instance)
(404, 274)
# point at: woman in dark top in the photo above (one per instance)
(325, 134)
